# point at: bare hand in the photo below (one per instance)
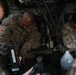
(29, 71)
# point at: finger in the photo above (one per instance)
(29, 71)
(38, 74)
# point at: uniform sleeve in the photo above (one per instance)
(7, 34)
(62, 47)
(32, 41)
(10, 25)
(67, 39)
(4, 40)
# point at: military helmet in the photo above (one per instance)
(26, 19)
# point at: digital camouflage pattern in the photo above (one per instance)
(68, 35)
(24, 39)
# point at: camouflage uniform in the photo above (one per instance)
(68, 35)
(24, 39)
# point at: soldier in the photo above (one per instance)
(21, 30)
(68, 35)
(68, 41)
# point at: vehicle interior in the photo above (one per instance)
(50, 17)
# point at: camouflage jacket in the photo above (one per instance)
(68, 35)
(24, 39)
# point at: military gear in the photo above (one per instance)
(24, 39)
